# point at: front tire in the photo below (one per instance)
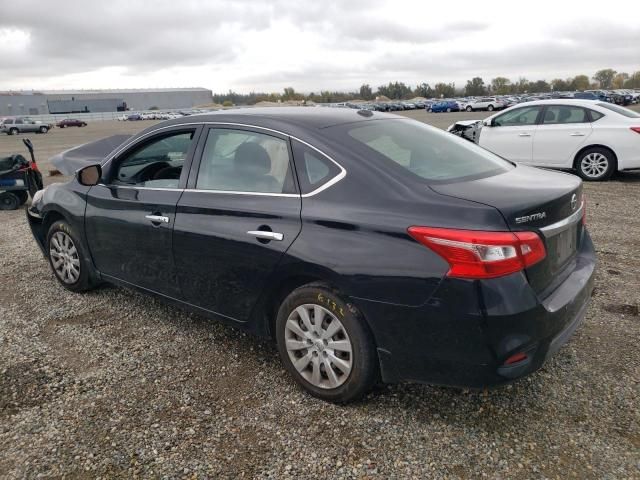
(44, 129)
(596, 164)
(67, 258)
(490, 108)
(326, 345)
(469, 109)
(13, 131)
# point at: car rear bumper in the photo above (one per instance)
(465, 333)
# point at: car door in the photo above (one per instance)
(29, 126)
(236, 220)
(560, 134)
(511, 133)
(130, 215)
(20, 125)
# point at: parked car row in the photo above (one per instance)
(157, 115)
(491, 103)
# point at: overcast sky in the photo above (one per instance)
(258, 45)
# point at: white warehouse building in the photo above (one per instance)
(43, 102)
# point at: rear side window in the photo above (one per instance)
(425, 151)
(621, 110)
(245, 161)
(595, 115)
(564, 114)
(313, 168)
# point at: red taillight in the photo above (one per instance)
(636, 129)
(479, 254)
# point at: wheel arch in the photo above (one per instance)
(49, 218)
(281, 284)
(576, 157)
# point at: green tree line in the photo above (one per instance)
(606, 79)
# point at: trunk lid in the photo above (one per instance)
(533, 199)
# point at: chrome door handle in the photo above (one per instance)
(576, 134)
(265, 235)
(524, 135)
(157, 218)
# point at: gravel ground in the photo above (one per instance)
(115, 384)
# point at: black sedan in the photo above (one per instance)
(369, 246)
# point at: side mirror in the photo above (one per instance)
(89, 176)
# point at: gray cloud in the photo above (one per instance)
(351, 43)
(77, 36)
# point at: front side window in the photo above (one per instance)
(556, 114)
(244, 161)
(156, 164)
(427, 152)
(517, 117)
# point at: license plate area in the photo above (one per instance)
(562, 246)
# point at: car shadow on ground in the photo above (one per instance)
(627, 177)
(421, 402)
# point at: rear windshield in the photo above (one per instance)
(621, 110)
(427, 152)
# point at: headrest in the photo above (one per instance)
(252, 158)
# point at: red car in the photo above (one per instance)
(71, 122)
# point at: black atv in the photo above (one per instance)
(19, 178)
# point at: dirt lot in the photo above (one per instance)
(113, 383)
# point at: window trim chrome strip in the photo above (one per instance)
(324, 186)
(564, 224)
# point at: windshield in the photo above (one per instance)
(427, 152)
(621, 110)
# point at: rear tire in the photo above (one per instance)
(44, 129)
(328, 350)
(469, 109)
(490, 108)
(595, 164)
(68, 259)
(9, 201)
(448, 110)
(13, 131)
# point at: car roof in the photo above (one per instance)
(305, 117)
(561, 101)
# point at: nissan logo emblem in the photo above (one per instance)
(574, 201)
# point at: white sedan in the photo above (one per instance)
(595, 138)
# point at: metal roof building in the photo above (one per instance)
(41, 102)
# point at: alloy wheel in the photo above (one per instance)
(64, 257)
(318, 346)
(594, 165)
